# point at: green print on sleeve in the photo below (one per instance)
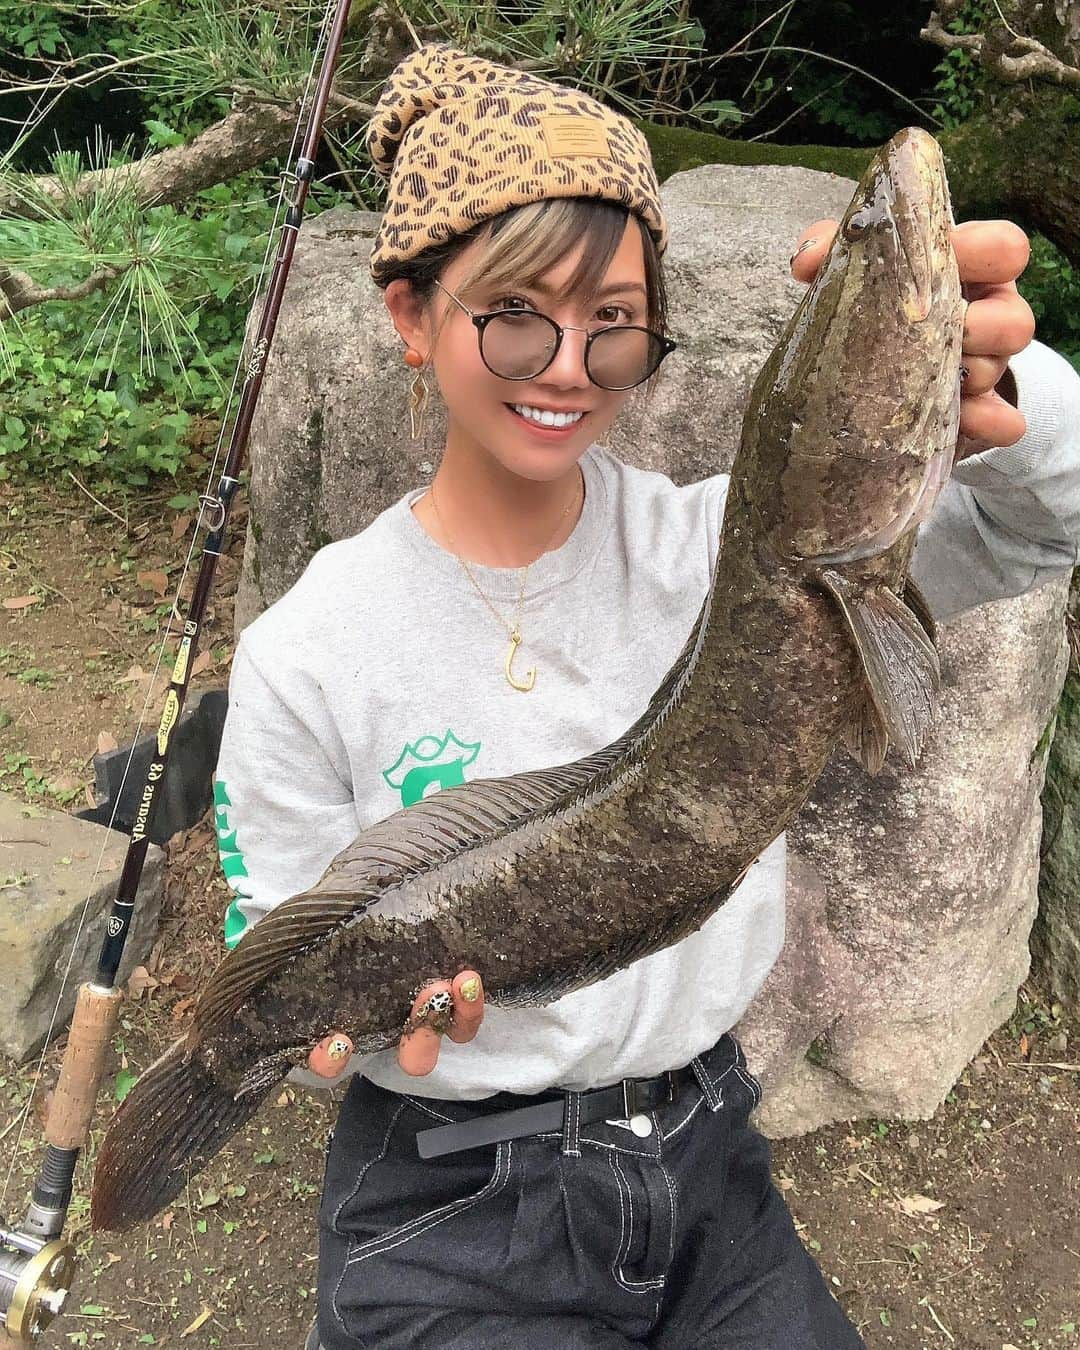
(430, 760)
(232, 864)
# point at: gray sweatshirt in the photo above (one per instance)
(378, 678)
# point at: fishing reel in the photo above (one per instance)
(35, 1280)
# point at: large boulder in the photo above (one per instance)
(58, 876)
(1056, 936)
(912, 895)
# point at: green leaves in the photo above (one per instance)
(162, 135)
(125, 1081)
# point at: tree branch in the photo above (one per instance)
(1007, 56)
(19, 290)
(242, 140)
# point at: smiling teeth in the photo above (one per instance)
(547, 419)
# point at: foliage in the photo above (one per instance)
(1051, 286)
(123, 408)
(960, 77)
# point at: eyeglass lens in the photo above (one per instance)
(517, 346)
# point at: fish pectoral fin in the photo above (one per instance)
(900, 662)
(917, 603)
(866, 737)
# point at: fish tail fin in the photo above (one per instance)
(172, 1122)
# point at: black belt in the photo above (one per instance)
(631, 1097)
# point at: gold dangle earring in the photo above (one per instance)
(418, 393)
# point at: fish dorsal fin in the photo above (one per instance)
(901, 666)
(412, 841)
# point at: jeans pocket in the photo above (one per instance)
(404, 1197)
(646, 1229)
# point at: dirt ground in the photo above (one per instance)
(957, 1231)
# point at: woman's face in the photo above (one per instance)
(481, 421)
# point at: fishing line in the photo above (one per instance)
(206, 500)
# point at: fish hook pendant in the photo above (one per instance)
(530, 675)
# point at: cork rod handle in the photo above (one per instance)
(72, 1106)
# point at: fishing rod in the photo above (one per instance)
(37, 1265)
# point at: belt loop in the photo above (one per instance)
(571, 1130)
(708, 1090)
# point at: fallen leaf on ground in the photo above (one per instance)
(139, 981)
(153, 581)
(21, 601)
(919, 1204)
(106, 741)
(201, 1320)
(202, 662)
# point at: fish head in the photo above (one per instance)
(858, 406)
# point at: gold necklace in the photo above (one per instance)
(513, 629)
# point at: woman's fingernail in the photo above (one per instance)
(470, 989)
(806, 243)
(338, 1048)
(437, 1012)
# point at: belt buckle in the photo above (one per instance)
(630, 1099)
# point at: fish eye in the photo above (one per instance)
(857, 226)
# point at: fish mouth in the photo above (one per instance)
(906, 201)
(916, 169)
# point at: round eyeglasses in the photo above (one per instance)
(519, 344)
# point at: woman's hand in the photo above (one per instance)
(418, 1049)
(990, 254)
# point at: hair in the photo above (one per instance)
(522, 244)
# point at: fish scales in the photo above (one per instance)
(549, 880)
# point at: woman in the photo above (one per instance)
(519, 613)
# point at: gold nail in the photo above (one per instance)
(470, 989)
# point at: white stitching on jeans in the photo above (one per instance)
(674, 1213)
(420, 1105)
(751, 1082)
(572, 1127)
(631, 1286)
(706, 1085)
(363, 1171)
(414, 1228)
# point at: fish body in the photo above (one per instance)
(549, 880)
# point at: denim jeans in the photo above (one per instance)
(592, 1237)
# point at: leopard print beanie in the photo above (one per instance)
(462, 139)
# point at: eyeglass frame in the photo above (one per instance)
(481, 321)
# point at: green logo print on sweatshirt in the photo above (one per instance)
(232, 864)
(430, 761)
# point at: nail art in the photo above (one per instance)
(437, 1012)
(338, 1048)
(470, 989)
(964, 373)
(806, 243)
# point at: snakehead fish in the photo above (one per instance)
(548, 880)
